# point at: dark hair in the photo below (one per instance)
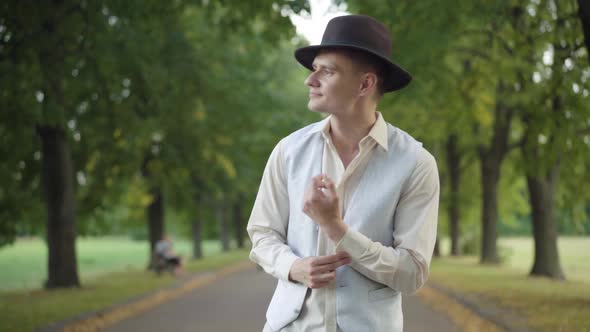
(369, 62)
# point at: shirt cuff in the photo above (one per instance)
(284, 265)
(354, 243)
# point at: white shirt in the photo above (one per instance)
(377, 261)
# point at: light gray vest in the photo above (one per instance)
(361, 303)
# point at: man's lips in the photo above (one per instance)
(314, 94)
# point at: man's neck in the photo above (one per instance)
(348, 130)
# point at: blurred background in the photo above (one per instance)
(122, 121)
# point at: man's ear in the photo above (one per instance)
(368, 83)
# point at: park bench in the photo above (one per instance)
(160, 264)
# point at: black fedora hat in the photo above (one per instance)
(362, 33)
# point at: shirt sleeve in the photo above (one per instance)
(267, 226)
(405, 266)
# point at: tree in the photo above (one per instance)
(203, 141)
(549, 120)
(481, 63)
(584, 13)
(81, 93)
(456, 93)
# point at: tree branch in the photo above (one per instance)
(474, 52)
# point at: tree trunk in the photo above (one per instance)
(436, 252)
(453, 164)
(541, 191)
(584, 13)
(155, 213)
(542, 183)
(58, 183)
(490, 176)
(543, 161)
(155, 210)
(57, 166)
(197, 237)
(224, 232)
(238, 222)
(197, 225)
(491, 158)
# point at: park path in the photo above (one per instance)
(237, 302)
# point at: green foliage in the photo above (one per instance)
(458, 56)
(170, 88)
(198, 93)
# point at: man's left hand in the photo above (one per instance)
(322, 205)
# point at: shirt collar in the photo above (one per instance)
(378, 132)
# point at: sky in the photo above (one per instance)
(312, 26)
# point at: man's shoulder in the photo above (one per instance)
(425, 159)
(400, 139)
(305, 132)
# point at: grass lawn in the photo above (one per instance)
(27, 310)
(574, 254)
(113, 269)
(543, 304)
(24, 264)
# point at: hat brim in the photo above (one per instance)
(396, 79)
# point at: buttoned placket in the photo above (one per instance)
(325, 245)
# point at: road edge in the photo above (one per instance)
(98, 320)
(468, 314)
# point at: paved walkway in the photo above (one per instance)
(238, 302)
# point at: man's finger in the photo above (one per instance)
(330, 267)
(317, 179)
(324, 277)
(342, 254)
(330, 185)
(318, 183)
(322, 260)
(321, 181)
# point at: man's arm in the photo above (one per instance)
(268, 222)
(267, 228)
(404, 266)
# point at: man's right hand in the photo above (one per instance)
(318, 271)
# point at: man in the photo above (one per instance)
(346, 214)
(165, 251)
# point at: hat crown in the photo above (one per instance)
(360, 31)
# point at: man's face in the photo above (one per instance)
(335, 83)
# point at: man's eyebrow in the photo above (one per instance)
(325, 65)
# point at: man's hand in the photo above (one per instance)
(318, 272)
(322, 205)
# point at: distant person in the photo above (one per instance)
(165, 251)
(346, 213)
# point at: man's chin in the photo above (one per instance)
(314, 108)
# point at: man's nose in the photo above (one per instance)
(311, 80)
